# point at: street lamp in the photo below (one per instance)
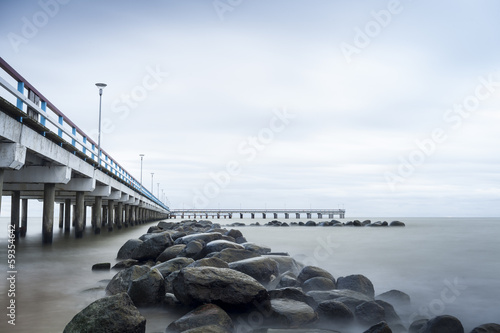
(141, 155)
(101, 86)
(152, 190)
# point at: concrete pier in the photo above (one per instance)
(111, 213)
(61, 215)
(67, 215)
(285, 213)
(14, 211)
(24, 217)
(97, 215)
(79, 214)
(49, 190)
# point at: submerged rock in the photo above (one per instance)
(395, 297)
(381, 327)
(443, 324)
(357, 282)
(397, 224)
(125, 252)
(149, 289)
(369, 313)
(289, 313)
(309, 272)
(122, 280)
(112, 314)
(202, 316)
(487, 328)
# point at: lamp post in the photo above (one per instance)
(141, 155)
(158, 193)
(101, 86)
(152, 189)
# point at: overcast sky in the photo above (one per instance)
(385, 108)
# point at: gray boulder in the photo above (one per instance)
(209, 262)
(127, 263)
(153, 247)
(148, 289)
(235, 233)
(125, 252)
(309, 272)
(357, 282)
(295, 294)
(170, 252)
(318, 283)
(369, 313)
(204, 315)
(219, 245)
(334, 312)
(112, 314)
(193, 249)
(287, 313)
(231, 255)
(443, 324)
(222, 286)
(417, 326)
(395, 297)
(487, 328)
(320, 296)
(205, 237)
(391, 316)
(397, 224)
(208, 329)
(381, 327)
(122, 280)
(262, 269)
(259, 249)
(287, 280)
(286, 264)
(172, 265)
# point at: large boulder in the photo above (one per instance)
(357, 282)
(395, 297)
(397, 224)
(152, 247)
(125, 252)
(333, 312)
(286, 264)
(391, 316)
(193, 249)
(487, 328)
(122, 280)
(443, 324)
(287, 313)
(219, 245)
(309, 272)
(167, 267)
(320, 296)
(205, 237)
(318, 283)
(204, 315)
(148, 289)
(381, 327)
(261, 269)
(209, 262)
(369, 313)
(231, 255)
(295, 294)
(208, 329)
(259, 249)
(170, 252)
(222, 286)
(112, 314)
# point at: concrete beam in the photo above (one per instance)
(39, 174)
(78, 185)
(12, 156)
(115, 195)
(124, 197)
(101, 191)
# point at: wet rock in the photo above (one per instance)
(357, 282)
(205, 237)
(193, 249)
(318, 283)
(487, 328)
(369, 313)
(417, 325)
(397, 224)
(172, 265)
(334, 312)
(149, 289)
(112, 314)
(219, 245)
(288, 313)
(259, 249)
(208, 329)
(320, 296)
(262, 269)
(222, 286)
(350, 302)
(295, 294)
(287, 280)
(209, 262)
(234, 233)
(103, 266)
(391, 316)
(122, 280)
(443, 324)
(204, 315)
(125, 263)
(310, 224)
(381, 327)
(125, 252)
(395, 297)
(286, 264)
(170, 252)
(309, 272)
(231, 255)
(153, 247)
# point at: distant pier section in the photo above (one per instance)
(252, 213)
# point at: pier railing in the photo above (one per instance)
(35, 110)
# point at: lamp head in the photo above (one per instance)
(101, 86)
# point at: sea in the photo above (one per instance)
(447, 266)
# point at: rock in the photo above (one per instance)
(222, 286)
(417, 325)
(207, 314)
(234, 233)
(381, 327)
(208, 329)
(206, 237)
(122, 280)
(228, 238)
(487, 328)
(357, 223)
(369, 313)
(127, 263)
(358, 282)
(286, 264)
(209, 262)
(443, 324)
(165, 225)
(309, 272)
(169, 280)
(335, 312)
(167, 267)
(112, 314)
(318, 283)
(350, 302)
(391, 316)
(170, 252)
(125, 252)
(149, 289)
(231, 255)
(193, 249)
(262, 269)
(104, 266)
(153, 247)
(397, 224)
(219, 245)
(287, 313)
(259, 249)
(310, 224)
(320, 296)
(295, 294)
(287, 280)
(395, 297)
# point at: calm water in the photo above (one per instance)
(447, 266)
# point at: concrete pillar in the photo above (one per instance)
(92, 216)
(14, 211)
(308, 215)
(67, 215)
(297, 215)
(275, 215)
(133, 210)
(320, 216)
(104, 215)
(24, 217)
(263, 215)
(330, 216)
(98, 215)
(79, 214)
(241, 215)
(252, 215)
(287, 215)
(119, 215)
(49, 197)
(1, 188)
(111, 210)
(61, 215)
(84, 216)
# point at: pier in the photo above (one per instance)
(45, 156)
(252, 213)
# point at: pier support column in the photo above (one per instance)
(119, 215)
(49, 197)
(97, 215)
(320, 216)
(275, 215)
(24, 217)
(263, 215)
(104, 215)
(252, 215)
(79, 214)
(14, 211)
(132, 215)
(111, 210)
(241, 215)
(308, 215)
(287, 215)
(1, 188)
(127, 216)
(297, 215)
(67, 215)
(61, 215)
(330, 216)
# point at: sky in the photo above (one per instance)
(383, 108)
